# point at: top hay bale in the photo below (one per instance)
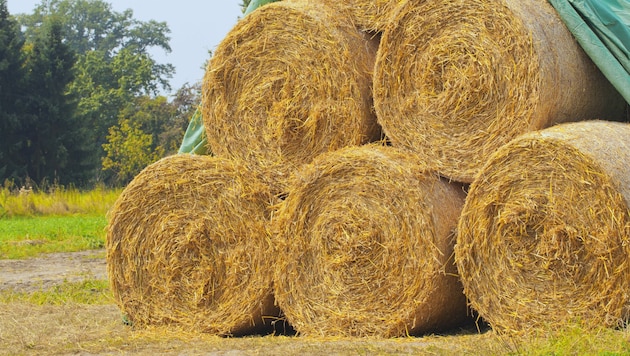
(364, 244)
(457, 79)
(544, 237)
(367, 15)
(288, 82)
(187, 244)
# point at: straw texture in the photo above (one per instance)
(187, 244)
(544, 237)
(367, 15)
(365, 241)
(288, 82)
(457, 79)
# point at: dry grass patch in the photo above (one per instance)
(69, 329)
(26, 329)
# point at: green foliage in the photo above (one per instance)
(151, 115)
(12, 91)
(49, 128)
(114, 68)
(129, 150)
(27, 237)
(81, 79)
(148, 129)
(185, 103)
(89, 291)
(92, 25)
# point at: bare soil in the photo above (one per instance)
(52, 269)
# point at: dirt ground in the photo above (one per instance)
(77, 329)
(98, 329)
(52, 269)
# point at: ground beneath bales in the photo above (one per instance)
(78, 329)
(52, 269)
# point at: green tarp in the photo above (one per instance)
(195, 136)
(602, 28)
(254, 4)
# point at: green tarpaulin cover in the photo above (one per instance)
(602, 28)
(254, 4)
(195, 136)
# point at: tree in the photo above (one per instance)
(147, 130)
(114, 66)
(129, 150)
(185, 103)
(11, 93)
(92, 25)
(49, 127)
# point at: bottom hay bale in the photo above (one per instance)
(544, 236)
(364, 240)
(187, 244)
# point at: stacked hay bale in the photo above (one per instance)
(457, 79)
(372, 16)
(290, 81)
(187, 244)
(364, 245)
(544, 237)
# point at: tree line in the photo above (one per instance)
(80, 99)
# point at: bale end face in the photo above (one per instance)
(544, 236)
(290, 81)
(365, 245)
(187, 244)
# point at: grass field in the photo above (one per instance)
(82, 317)
(22, 237)
(58, 220)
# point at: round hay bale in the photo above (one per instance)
(367, 15)
(187, 244)
(544, 237)
(288, 82)
(457, 79)
(365, 240)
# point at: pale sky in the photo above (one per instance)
(197, 26)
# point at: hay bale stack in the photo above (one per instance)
(187, 244)
(544, 238)
(365, 242)
(288, 82)
(457, 79)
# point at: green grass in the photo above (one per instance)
(23, 237)
(574, 340)
(56, 220)
(89, 291)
